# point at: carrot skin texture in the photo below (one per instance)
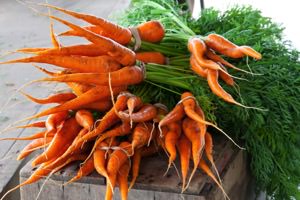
(146, 113)
(184, 148)
(32, 146)
(84, 170)
(173, 134)
(124, 76)
(85, 119)
(64, 136)
(151, 31)
(151, 57)
(136, 161)
(174, 115)
(197, 68)
(100, 159)
(141, 135)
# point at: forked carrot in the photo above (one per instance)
(197, 68)
(141, 135)
(54, 120)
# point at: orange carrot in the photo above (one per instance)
(31, 50)
(175, 115)
(74, 50)
(92, 95)
(102, 106)
(136, 161)
(226, 77)
(141, 135)
(54, 120)
(64, 136)
(123, 180)
(151, 31)
(225, 47)
(84, 170)
(198, 48)
(99, 64)
(34, 145)
(151, 57)
(55, 98)
(100, 159)
(192, 132)
(184, 148)
(133, 103)
(118, 33)
(197, 68)
(146, 113)
(32, 137)
(124, 76)
(40, 124)
(79, 88)
(85, 119)
(54, 40)
(171, 139)
(122, 54)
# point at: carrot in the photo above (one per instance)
(100, 159)
(55, 98)
(151, 57)
(198, 48)
(72, 158)
(84, 170)
(197, 68)
(146, 113)
(151, 31)
(118, 33)
(120, 53)
(125, 76)
(225, 47)
(141, 135)
(99, 64)
(62, 139)
(123, 180)
(32, 137)
(213, 56)
(98, 105)
(79, 88)
(85, 119)
(175, 115)
(184, 148)
(205, 168)
(40, 124)
(91, 50)
(171, 139)
(136, 161)
(226, 77)
(134, 103)
(95, 29)
(34, 145)
(92, 95)
(120, 130)
(192, 132)
(115, 162)
(31, 50)
(54, 40)
(54, 120)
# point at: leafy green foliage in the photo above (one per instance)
(272, 137)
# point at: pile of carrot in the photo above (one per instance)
(98, 75)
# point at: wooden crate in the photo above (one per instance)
(151, 183)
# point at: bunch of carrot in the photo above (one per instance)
(99, 74)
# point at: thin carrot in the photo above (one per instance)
(92, 95)
(34, 145)
(39, 124)
(31, 50)
(122, 54)
(146, 113)
(85, 119)
(118, 33)
(54, 40)
(184, 148)
(123, 180)
(55, 98)
(205, 168)
(99, 64)
(102, 106)
(32, 137)
(174, 115)
(226, 77)
(197, 68)
(151, 31)
(64, 136)
(100, 159)
(171, 138)
(124, 76)
(151, 57)
(115, 162)
(225, 47)
(85, 169)
(136, 161)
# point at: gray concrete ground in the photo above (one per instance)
(22, 27)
